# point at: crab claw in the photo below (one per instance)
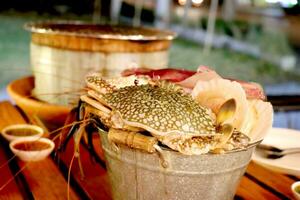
(199, 144)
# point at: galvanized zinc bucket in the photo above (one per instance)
(137, 175)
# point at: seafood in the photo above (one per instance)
(215, 92)
(189, 79)
(253, 117)
(159, 108)
(152, 110)
(259, 119)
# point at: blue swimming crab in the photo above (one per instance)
(135, 106)
(160, 109)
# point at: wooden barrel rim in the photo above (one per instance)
(100, 31)
(98, 45)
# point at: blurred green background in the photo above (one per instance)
(15, 55)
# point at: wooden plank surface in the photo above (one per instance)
(10, 189)
(9, 115)
(250, 190)
(95, 182)
(98, 146)
(274, 180)
(43, 178)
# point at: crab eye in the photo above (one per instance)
(136, 82)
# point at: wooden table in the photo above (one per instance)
(47, 179)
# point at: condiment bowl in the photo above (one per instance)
(296, 190)
(32, 149)
(22, 131)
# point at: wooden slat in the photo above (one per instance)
(44, 178)
(277, 181)
(95, 183)
(37, 121)
(9, 115)
(98, 146)
(250, 190)
(11, 190)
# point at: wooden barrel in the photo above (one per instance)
(62, 53)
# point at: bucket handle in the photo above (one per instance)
(132, 139)
(137, 141)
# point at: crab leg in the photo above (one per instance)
(105, 112)
(76, 114)
(77, 137)
(97, 96)
(91, 109)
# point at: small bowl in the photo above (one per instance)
(22, 131)
(32, 149)
(293, 188)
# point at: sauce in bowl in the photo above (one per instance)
(32, 146)
(22, 132)
(32, 149)
(297, 189)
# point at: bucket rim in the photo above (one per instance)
(249, 146)
(165, 149)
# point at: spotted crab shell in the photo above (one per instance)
(161, 110)
(259, 120)
(214, 93)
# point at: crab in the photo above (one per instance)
(161, 109)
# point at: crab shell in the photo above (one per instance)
(162, 109)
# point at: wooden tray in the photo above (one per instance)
(20, 91)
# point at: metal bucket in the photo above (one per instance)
(135, 174)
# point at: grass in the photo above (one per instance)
(185, 54)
